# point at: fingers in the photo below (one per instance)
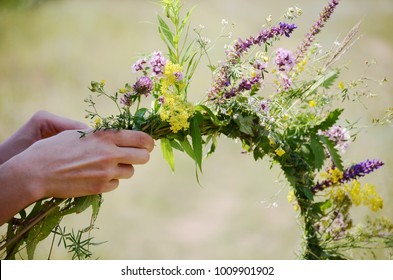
(124, 171)
(131, 138)
(51, 124)
(132, 156)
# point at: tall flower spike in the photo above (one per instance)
(234, 53)
(315, 29)
(352, 173)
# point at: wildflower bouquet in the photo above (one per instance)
(293, 124)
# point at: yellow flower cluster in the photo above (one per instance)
(170, 77)
(292, 199)
(334, 175)
(366, 195)
(280, 152)
(175, 110)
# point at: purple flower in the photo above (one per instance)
(286, 82)
(127, 99)
(315, 29)
(138, 66)
(284, 60)
(265, 36)
(339, 136)
(157, 62)
(247, 84)
(222, 77)
(361, 169)
(351, 173)
(179, 76)
(261, 66)
(264, 105)
(161, 100)
(143, 85)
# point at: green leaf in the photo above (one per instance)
(176, 145)
(213, 117)
(186, 19)
(318, 152)
(95, 205)
(330, 120)
(167, 152)
(79, 204)
(165, 31)
(41, 231)
(196, 137)
(187, 54)
(245, 124)
(330, 79)
(307, 192)
(188, 148)
(330, 145)
(324, 81)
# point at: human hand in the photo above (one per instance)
(40, 126)
(67, 165)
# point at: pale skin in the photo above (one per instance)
(47, 157)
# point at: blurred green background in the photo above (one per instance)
(51, 50)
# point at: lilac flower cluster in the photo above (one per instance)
(285, 62)
(222, 78)
(156, 63)
(339, 136)
(351, 173)
(316, 28)
(139, 65)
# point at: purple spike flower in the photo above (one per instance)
(361, 169)
(283, 29)
(222, 77)
(351, 173)
(315, 29)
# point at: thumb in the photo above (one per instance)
(53, 124)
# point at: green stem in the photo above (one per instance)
(10, 243)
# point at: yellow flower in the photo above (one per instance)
(371, 198)
(355, 193)
(280, 152)
(97, 121)
(334, 175)
(170, 72)
(291, 196)
(301, 66)
(341, 85)
(176, 111)
(312, 103)
(337, 194)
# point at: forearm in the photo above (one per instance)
(15, 194)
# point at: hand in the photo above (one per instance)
(66, 165)
(40, 126)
